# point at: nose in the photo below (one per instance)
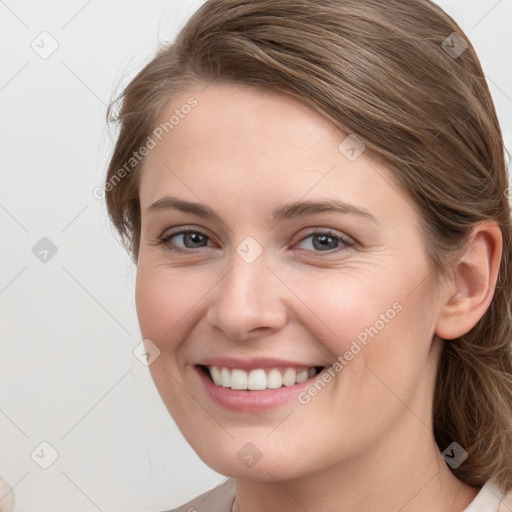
(249, 300)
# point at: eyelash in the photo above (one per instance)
(346, 243)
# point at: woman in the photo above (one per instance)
(314, 194)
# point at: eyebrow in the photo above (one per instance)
(287, 211)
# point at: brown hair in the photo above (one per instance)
(386, 71)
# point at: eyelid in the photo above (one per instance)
(328, 231)
(161, 240)
(347, 242)
(312, 230)
(184, 228)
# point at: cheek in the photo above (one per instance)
(372, 321)
(150, 302)
(349, 308)
(162, 301)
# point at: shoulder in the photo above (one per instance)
(218, 499)
(492, 498)
(6, 496)
(506, 502)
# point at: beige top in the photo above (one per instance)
(222, 498)
(218, 499)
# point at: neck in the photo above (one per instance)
(405, 473)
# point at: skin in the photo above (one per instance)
(365, 442)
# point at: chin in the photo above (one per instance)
(244, 460)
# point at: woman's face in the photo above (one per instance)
(302, 253)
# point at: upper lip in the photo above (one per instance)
(253, 363)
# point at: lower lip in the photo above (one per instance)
(252, 401)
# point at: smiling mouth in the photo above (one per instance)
(259, 379)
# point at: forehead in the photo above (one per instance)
(256, 147)
(242, 120)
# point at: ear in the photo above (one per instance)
(471, 288)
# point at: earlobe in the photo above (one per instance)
(473, 282)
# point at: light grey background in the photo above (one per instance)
(68, 376)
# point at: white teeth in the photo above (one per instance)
(216, 376)
(302, 375)
(259, 379)
(289, 377)
(274, 379)
(225, 376)
(239, 379)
